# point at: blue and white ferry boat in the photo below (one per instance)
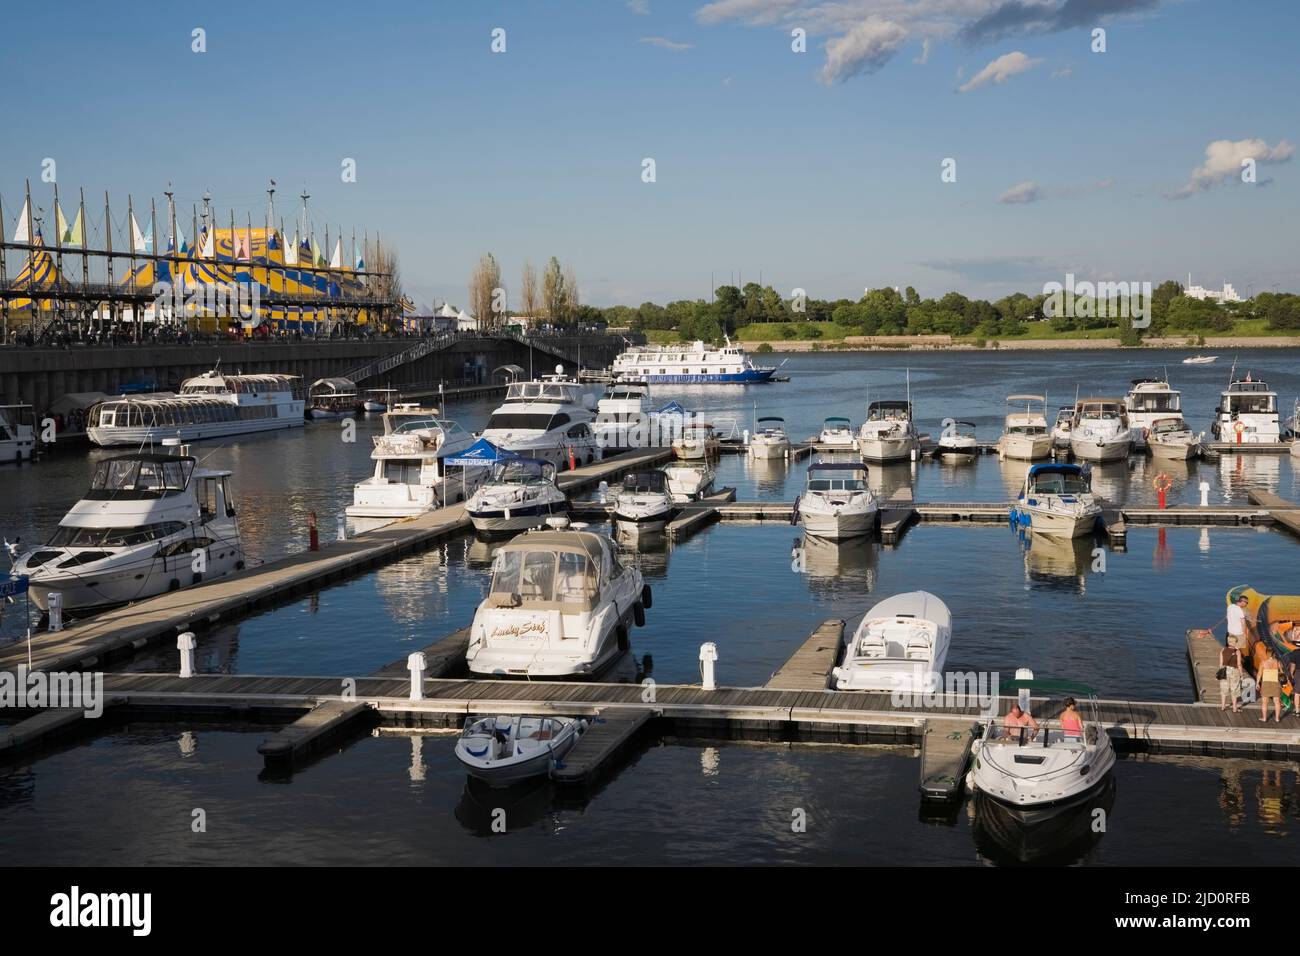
(695, 364)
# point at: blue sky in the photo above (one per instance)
(821, 170)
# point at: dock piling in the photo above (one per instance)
(416, 664)
(56, 612)
(708, 657)
(186, 643)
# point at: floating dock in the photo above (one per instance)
(809, 668)
(606, 738)
(1278, 509)
(945, 755)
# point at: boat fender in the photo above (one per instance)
(621, 635)
(174, 584)
(970, 781)
(239, 565)
(638, 614)
(647, 598)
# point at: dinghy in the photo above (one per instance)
(504, 750)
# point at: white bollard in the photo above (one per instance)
(708, 656)
(185, 643)
(56, 611)
(1024, 673)
(602, 490)
(915, 454)
(343, 527)
(746, 437)
(416, 664)
(1205, 494)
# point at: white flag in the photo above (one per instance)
(22, 233)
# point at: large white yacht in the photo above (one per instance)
(212, 405)
(1100, 430)
(1247, 413)
(888, 434)
(1025, 436)
(149, 523)
(900, 645)
(412, 474)
(1148, 401)
(623, 415)
(696, 364)
(1056, 499)
(550, 419)
(560, 605)
(520, 494)
(837, 503)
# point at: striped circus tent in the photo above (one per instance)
(38, 272)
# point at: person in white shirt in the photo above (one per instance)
(1238, 635)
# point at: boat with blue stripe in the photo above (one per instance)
(698, 363)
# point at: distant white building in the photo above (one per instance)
(1226, 294)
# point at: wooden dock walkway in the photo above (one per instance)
(809, 668)
(606, 738)
(1284, 512)
(1203, 658)
(895, 515)
(40, 730)
(325, 721)
(945, 755)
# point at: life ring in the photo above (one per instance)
(1163, 482)
(1239, 426)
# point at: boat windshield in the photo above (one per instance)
(544, 577)
(888, 411)
(1250, 404)
(565, 393)
(527, 471)
(646, 482)
(1154, 402)
(150, 477)
(1169, 426)
(1060, 483)
(836, 481)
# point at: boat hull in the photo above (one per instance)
(1055, 523)
(1026, 448)
(134, 581)
(1091, 449)
(837, 526)
(510, 520)
(768, 450)
(1180, 451)
(147, 435)
(886, 449)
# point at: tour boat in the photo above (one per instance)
(1056, 499)
(1200, 360)
(696, 364)
(377, 400)
(888, 434)
(332, 398)
(1171, 438)
(412, 474)
(1100, 430)
(520, 494)
(550, 419)
(837, 433)
(506, 750)
(1247, 414)
(149, 523)
(1148, 400)
(560, 605)
(900, 645)
(770, 439)
(623, 415)
(958, 438)
(1062, 426)
(1025, 436)
(17, 433)
(689, 482)
(837, 502)
(644, 500)
(697, 442)
(1052, 766)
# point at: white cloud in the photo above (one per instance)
(1000, 70)
(665, 44)
(924, 58)
(1024, 192)
(864, 49)
(1223, 159)
(756, 12)
(1062, 72)
(640, 7)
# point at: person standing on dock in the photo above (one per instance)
(1270, 687)
(1230, 682)
(1238, 624)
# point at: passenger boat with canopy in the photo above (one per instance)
(331, 398)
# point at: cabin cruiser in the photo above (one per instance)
(1025, 436)
(697, 442)
(518, 495)
(696, 364)
(1149, 399)
(508, 749)
(17, 433)
(623, 415)
(837, 502)
(1247, 414)
(770, 439)
(412, 474)
(401, 412)
(211, 405)
(377, 400)
(644, 500)
(958, 438)
(1062, 426)
(689, 482)
(837, 432)
(1053, 765)
(149, 523)
(900, 645)
(549, 418)
(1100, 430)
(1171, 438)
(1056, 499)
(560, 605)
(331, 398)
(888, 433)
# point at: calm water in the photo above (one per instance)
(1053, 608)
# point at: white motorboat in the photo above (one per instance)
(412, 474)
(888, 434)
(1056, 499)
(550, 419)
(332, 398)
(1053, 765)
(149, 523)
(697, 442)
(1062, 426)
(1025, 436)
(17, 433)
(508, 749)
(560, 605)
(1171, 438)
(1200, 360)
(519, 494)
(1148, 400)
(623, 415)
(900, 645)
(770, 439)
(958, 438)
(1247, 414)
(377, 400)
(1100, 430)
(689, 481)
(837, 503)
(644, 500)
(698, 363)
(837, 432)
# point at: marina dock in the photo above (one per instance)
(809, 668)
(945, 755)
(606, 738)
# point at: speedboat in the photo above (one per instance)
(377, 400)
(548, 419)
(1171, 438)
(1025, 436)
(697, 442)
(1100, 430)
(623, 415)
(1200, 360)
(149, 523)
(17, 433)
(560, 605)
(1056, 499)
(1247, 414)
(836, 432)
(958, 438)
(1050, 766)
(505, 750)
(1148, 400)
(644, 500)
(900, 645)
(770, 439)
(518, 495)
(689, 482)
(837, 502)
(412, 474)
(1061, 427)
(332, 398)
(888, 434)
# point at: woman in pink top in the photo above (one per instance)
(1071, 722)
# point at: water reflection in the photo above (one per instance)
(642, 548)
(1239, 473)
(492, 811)
(884, 480)
(1058, 835)
(767, 476)
(847, 566)
(1058, 562)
